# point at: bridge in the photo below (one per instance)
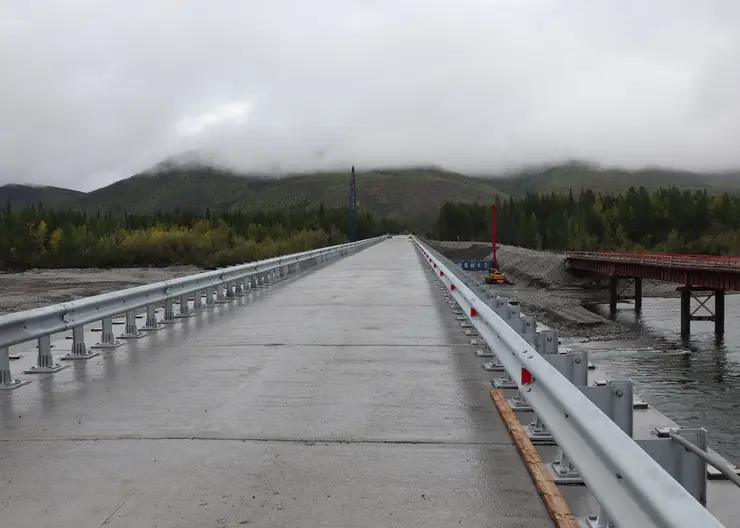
(337, 387)
(701, 277)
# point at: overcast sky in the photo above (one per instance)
(95, 90)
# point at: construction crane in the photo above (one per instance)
(495, 275)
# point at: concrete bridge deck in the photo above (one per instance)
(345, 398)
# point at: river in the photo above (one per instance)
(696, 382)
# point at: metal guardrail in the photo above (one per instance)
(226, 283)
(630, 486)
(706, 262)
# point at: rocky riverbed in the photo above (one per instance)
(35, 288)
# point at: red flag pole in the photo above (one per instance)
(494, 261)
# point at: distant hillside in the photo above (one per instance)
(20, 196)
(562, 178)
(411, 193)
(408, 193)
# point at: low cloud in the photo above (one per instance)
(96, 90)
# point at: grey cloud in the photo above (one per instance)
(95, 90)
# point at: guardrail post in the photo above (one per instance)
(229, 290)
(79, 350)
(220, 297)
(7, 381)
(45, 362)
(688, 469)
(130, 331)
(185, 310)
(151, 324)
(169, 312)
(209, 297)
(107, 339)
(546, 342)
(198, 301)
(615, 400)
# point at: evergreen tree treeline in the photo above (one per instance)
(668, 220)
(35, 237)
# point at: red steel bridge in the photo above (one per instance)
(701, 277)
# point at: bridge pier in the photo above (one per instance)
(688, 315)
(615, 294)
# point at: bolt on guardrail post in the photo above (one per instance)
(79, 350)
(130, 330)
(44, 362)
(7, 381)
(151, 324)
(107, 339)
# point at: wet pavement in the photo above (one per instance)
(345, 397)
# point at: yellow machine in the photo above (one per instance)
(495, 276)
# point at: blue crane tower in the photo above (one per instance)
(352, 209)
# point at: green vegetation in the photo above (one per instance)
(43, 238)
(413, 194)
(576, 176)
(668, 220)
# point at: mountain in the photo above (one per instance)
(20, 196)
(575, 176)
(407, 193)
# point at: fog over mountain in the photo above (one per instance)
(96, 90)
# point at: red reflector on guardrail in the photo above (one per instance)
(441, 273)
(452, 287)
(473, 312)
(526, 377)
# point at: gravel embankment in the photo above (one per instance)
(545, 288)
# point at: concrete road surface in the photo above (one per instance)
(345, 398)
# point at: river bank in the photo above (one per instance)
(544, 288)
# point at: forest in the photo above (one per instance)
(667, 220)
(35, 237)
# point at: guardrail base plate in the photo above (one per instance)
(106, 346)
(16, 383)
(483, 353)
(570, 479)
(503, 383)
(475, 342)
(75, 357)
(493, 367)
(539, 438)
(152, 328)
(137, 335)
(473, 333)
(46, 370)
(461, 318)
(518, 406)
(465, 324)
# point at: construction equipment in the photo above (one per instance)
(495, 276)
